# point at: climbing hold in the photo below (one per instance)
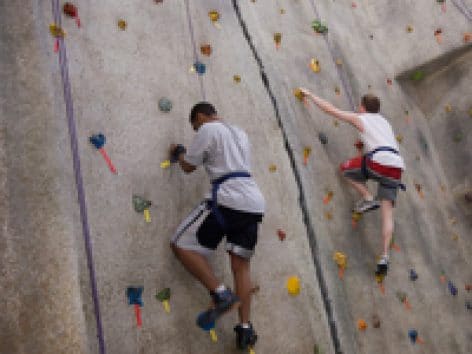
(389, 82)
(277, 39)
(158, 1)
(315, 65)
(306, 154)
(341, 260)
(337, 90)
(293, 285)
(413, 275)
(165, 164)
(122, 24)
(371, 36)
(317, 349)
(443, 4)
(214, 16)
(207, 326)
(272, 168)
(282, 11)
(452, 288)
(448, 108)
(417, 75)
(413, 335)
(419, 190)
(468, 197)
(323, 138)
(142, 205)
(393, 245)
(165, 105)
(403, 299)
(468, 305)
(399, 138)
(205, 49)
(328, 215)
(71, 10)
(281, 234)
(375, 321)
(353, 5)
(56, 31)
(409, 28)
(164, 297)
(327, 198)
(237, 79)
(356, 216)
(336, 123)
(318, 27)
(359, 145)
(98, 141)
(455, 237)
(361, 325)
(442, 277)
(438, 35)
(134, 295)
(339, 62)
(379, 278)
(199, 67)
(299, 94)
(467, 37)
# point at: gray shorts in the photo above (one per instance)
(388, 178)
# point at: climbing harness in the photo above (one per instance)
(369, 156)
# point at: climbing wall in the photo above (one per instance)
(84, 250)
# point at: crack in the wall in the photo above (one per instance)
(302, 200)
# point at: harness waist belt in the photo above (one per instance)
(372, 153)
(215, 185)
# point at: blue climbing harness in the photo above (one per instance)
(215, 185)
(369, 155)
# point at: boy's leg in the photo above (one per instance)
(361, 188)
(387, 224)
(197, 265)
(243, 285)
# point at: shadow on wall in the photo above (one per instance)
(441, 89)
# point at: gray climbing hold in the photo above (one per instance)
(165, 105)
(323, 138)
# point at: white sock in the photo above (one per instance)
(220, 288)
(369, 198)
(245, 325)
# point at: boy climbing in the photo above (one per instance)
(382, 163)
(234, 209)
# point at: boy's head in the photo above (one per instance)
(370, 104)
(201, 113)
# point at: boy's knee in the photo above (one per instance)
(238, 263)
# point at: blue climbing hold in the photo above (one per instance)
(413, 275)
(199, 67)
(205, 320)
(413, 335)
(97, 140)
(452, 288)
(134, 295)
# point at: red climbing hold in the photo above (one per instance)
(71, 10)
(282, 235)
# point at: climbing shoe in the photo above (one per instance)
(245, 337)
(223, 301)
(382, 266)
(363, 206)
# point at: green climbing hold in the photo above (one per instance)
(165, 105)
(140, 204)
(163, 295)
(417, 75)
(318, 27)
(458, 137)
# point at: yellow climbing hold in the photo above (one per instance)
(299, 94)
(409, 28)
(165, 164)
(293, 285)
(399, 138)
(315, 65)
(166, 305)
(339, 62)
(448, 108)
(277, 39)
(213, 336)
(122, 24)
(237, 79)
(340, 259)
(272, 168)
(56, 31)
(337, 90)
(147, 215)
(214, 15)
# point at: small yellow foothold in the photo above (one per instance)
(339, 62)
(252, 351)
(315, 65)
(340, 259)
(293, 285)
(165, 164)
(282, 11)
(399, 138)
(237, 79)
(56, 31)
(356, 216)
(299, 94)
(277, 39)
(409, 28)
(448, 108)
(337, 90)
(147, 215)
(166, 305)
(272, 168)
(214, 15)
(213, 336)
(122, 24)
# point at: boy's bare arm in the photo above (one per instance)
(349, 117)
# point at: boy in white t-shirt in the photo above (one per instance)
(382, 163)
(233, 209)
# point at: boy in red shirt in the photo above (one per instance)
(382, 163)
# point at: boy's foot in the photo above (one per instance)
(382, 266)
(245, 337)
(363, 206)
(224, 301)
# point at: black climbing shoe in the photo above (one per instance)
(245, 337)
(382, 266)
(363, 206)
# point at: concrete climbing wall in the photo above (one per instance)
(116, 79)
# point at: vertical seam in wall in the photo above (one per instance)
(64, 68)
(195, 52)
(303, 203)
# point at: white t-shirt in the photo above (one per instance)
(222, 149)
(378, 132)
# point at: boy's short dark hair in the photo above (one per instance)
(202, 107)
(371, 103)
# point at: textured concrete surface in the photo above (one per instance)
(117, 78)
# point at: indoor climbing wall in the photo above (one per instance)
(93, 94)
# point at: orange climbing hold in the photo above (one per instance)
(205, 49)
(467, 37)
(327, 198)
(438, 35)
(306, 154)
(277, 39)
(361, 325)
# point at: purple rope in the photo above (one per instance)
(195, 52)
(463, 9)
(341, 73)
(78, 175)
